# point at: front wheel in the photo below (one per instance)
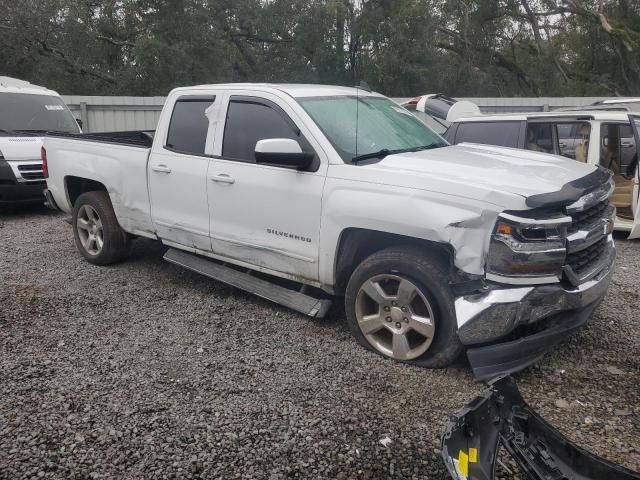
(96, 230)
(398, 304)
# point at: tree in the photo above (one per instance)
(401, 47)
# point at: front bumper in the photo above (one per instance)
(16, 190)
(21, 193)
(485, 318)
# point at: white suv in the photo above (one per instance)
(597, 137)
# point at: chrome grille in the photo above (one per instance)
(589, 248)
(31, 171)
(581, 261)
(584, 219)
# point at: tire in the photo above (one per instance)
(94, 218)
(423, 310)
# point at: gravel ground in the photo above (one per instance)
(147, 370)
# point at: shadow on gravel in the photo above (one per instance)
(143, 250)
(16, 211)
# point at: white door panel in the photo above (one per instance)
(635, 231)
(266, 216)
(178, 170)
(178, 190)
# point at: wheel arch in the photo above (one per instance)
(76, 186)
(356, 244)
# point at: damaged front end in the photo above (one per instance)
(499, 417)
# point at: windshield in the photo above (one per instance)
(21, 111)
(381, 125)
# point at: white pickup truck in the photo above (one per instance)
(301, 194)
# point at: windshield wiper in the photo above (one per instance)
(385, 152)
(379, 154)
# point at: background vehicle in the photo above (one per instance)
(328, 191)
(631, 104)
(438, 111)
(594, 137)
(26, 112)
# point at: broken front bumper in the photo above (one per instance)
(500, 417)
(552, 311)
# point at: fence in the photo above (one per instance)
(107, 114)
(103, 114)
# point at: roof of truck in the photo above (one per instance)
(15, 85)
(297, 90)
(589, 114)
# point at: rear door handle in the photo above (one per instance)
(161, 168)
(222, 178)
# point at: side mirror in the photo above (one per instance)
(283, 151)
(79, 122)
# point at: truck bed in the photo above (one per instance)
(135, 138)
(115, 160)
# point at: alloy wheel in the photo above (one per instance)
(89, 226)
(395, 316)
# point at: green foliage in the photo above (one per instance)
(400, 47)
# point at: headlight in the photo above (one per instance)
(527, 250)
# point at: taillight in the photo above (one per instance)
(414, 100)
(45, 167)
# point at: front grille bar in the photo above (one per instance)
(590, 246)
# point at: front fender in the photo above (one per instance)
(463, 224)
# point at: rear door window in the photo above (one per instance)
(189, 125)
(503, 134)
(540, 137)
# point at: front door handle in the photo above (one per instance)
(161, 168)
(222, 178)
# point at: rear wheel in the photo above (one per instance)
(398, 304)
(96, 231)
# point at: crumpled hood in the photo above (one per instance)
(493, 174)
(20, 148)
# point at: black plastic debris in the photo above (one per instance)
(499, 417)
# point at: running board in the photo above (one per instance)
(292, 299)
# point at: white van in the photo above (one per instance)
(600, 136)
(26, 113)
(597, 137)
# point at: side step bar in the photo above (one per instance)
(292, 299)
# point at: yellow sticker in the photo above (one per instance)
(463, 463)
(473, 455)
